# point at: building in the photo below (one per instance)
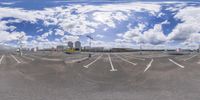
(86, 48)
(97, 49)
(121, 49)
(94, 49)
(77, 45)
(60, 48)
(34, 49)
(70, 44)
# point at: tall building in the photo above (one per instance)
(78, 45)
(60, 48)
(70, 44)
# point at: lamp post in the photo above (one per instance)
(90, 43)
(20, 38)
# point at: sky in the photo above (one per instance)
(112, 23)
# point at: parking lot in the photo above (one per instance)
(104, 76)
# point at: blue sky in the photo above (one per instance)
(112, 23)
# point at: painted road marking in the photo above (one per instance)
(191, 57)
(52, 59)
(28, 58)
(136, 58)
(176, 63)
(87, 66)
(111, 64)
(126, 60)
(149, 65)
(15, 59)
(1, 59)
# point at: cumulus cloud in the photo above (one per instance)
(99, 36)
(83, 19)
(108, 18)
(190, 25)
(153, 36)
(19, 13)
(74, 18)
(7, 3)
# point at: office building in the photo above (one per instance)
(70, 44)
(78, 45)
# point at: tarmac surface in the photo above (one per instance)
(104, 76)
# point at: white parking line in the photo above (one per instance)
(111, 64)
(176, 63)
(126, 60)
(52, 59)
(136, 58)
(15, 59)
(28, 58)
(87, 66)
(190, 57)
(1, 59)
(149, 65)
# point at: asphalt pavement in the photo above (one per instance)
(104, 76)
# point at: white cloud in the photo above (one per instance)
(191, 23)
(155, 35)
(7, 3)
(67, 38)
(88, 18)
(194, 38)
(133, 34)
(19, 13)
(99, 36)
(126, 7)
(152, 36)
(6, 36)
(59, 32)
(108, 18)
(77, 24)
(40, 30)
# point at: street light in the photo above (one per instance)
(88, 36)
(141, 47)
(20, 38)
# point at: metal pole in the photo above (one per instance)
(20, 50)
(140, 49)
(90, 43)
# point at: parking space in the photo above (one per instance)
(102, 72)
(111, 62)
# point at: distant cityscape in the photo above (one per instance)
(77, 47)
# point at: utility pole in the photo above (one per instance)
(90, 43)
(141, 48)
(20, 39)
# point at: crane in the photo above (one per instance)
(88, 36)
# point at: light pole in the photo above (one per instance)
(90, 43)
(141, 48)
(20, 38)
